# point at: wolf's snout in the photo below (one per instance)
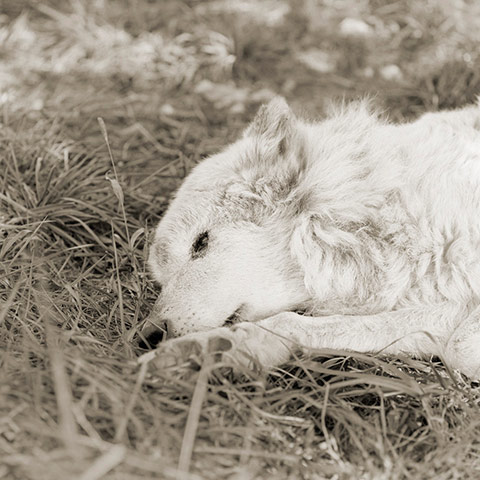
(151, 335)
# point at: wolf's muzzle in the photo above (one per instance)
(151, 335)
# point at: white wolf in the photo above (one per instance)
(370, 230)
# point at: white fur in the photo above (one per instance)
(371, 229)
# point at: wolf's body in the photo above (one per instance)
(371, 229)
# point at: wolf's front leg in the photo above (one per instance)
(413, 332)
(272, 341)
(449, 331)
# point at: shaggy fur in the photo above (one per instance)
(371, 230)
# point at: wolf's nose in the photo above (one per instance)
(151, 335)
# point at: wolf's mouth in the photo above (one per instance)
(234, 318)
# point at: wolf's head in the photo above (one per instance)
(223, 247)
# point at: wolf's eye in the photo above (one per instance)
(200, 245)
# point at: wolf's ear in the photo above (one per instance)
(274, 124)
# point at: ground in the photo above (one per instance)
(104, 107)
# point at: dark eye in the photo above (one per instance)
(200, 245)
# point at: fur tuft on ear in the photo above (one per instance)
(273, 124)
(273, 162)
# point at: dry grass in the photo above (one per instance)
(74, 402)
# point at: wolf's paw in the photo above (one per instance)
(246, 344)
(192, 349)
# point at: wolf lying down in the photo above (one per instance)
(371, 230)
